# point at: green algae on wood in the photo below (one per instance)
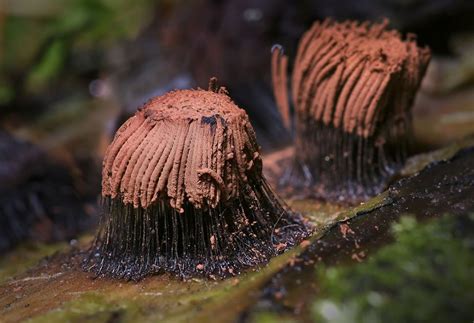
(418, 162)
(24, 257)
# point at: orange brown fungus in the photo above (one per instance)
(353, 85)
(184, 193)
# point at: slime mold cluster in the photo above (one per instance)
(352, 87)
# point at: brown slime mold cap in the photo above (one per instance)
(353, 85)
(187, 144)
(184, 192)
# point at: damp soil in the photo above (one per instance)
(57, 289)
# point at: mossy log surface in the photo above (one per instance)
(55, 289)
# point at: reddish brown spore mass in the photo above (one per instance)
(207, 147)
(353, 85)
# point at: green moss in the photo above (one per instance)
(425, 275)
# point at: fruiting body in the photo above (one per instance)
(184, 193)
(353, 85)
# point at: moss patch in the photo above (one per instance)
(426, 275)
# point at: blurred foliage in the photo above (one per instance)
(41, 38)
(426, 275)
